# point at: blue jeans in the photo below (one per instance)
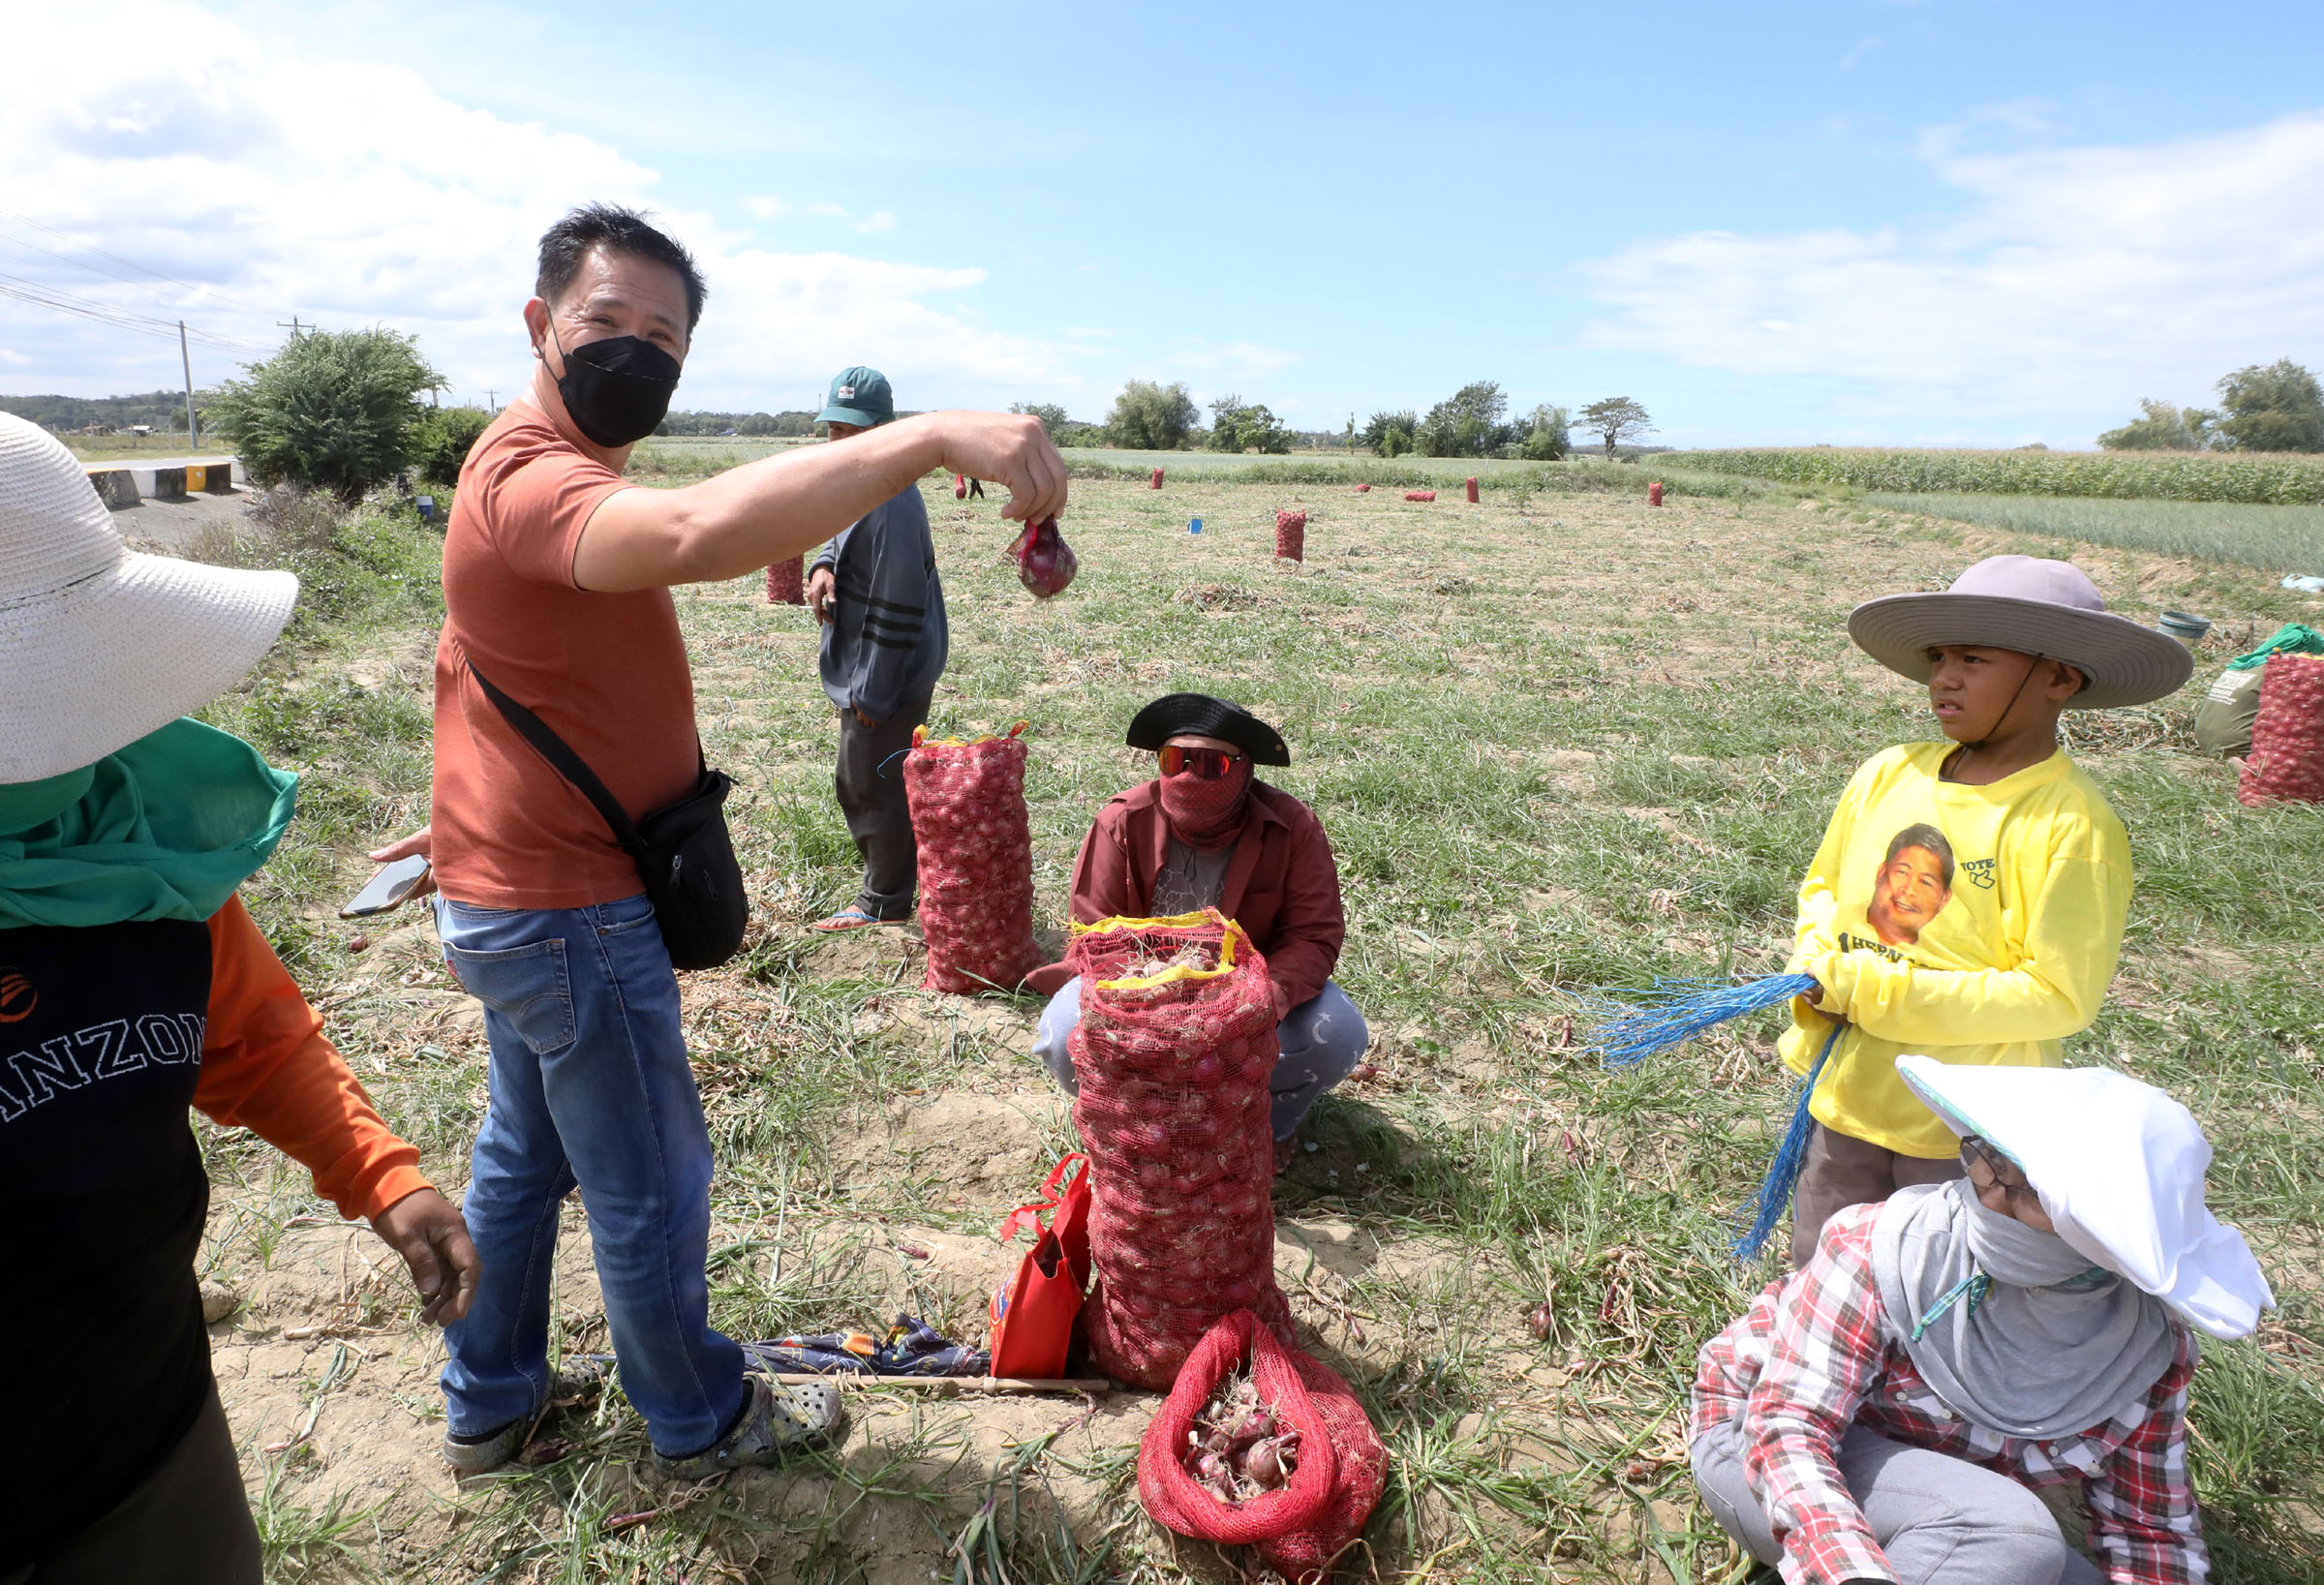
(590, 1086)
(1322, 1040)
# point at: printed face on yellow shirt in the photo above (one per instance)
(1916, 882)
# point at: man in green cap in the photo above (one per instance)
(874, 588)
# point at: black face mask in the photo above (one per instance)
(617, 389)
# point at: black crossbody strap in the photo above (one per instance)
(569, 765)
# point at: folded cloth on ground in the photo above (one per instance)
(911, 1348)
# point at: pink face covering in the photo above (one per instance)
(1208, 815)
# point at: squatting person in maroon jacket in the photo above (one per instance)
(1206, 834)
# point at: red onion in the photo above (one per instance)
(1045, 561)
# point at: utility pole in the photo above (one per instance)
(294, 326)
(186, 361)
(492, 399)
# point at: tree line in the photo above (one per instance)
(2276, 408)
(344, 411)
(1474, 421)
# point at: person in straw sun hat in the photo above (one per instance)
(1887, 1412)
(134, 984)
(1969, 896)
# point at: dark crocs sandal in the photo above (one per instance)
(777, 1421)
(577, 1384)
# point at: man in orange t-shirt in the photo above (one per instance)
(557, 574)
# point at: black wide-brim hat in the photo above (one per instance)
(1199, 714)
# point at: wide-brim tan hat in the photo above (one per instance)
(99, 645)
(2035, 607)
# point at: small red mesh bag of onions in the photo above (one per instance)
(976, 860)
(2287, 735)
(1260, 1444)
(1176, 1041)
(1045, 561)
(1420, 495)
(785, 583)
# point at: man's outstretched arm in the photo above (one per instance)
(775, 509)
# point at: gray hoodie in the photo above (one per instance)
(887, 639)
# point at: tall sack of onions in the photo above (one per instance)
(1174, 1046)
(976, 861)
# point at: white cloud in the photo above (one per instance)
(766, 206)
(350, 192)
(880, 220)
(1247, 357)
(2074, 280)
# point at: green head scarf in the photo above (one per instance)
(167, 828)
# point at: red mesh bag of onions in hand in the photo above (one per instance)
(1176, 1041)
(976, 860)
(1045, 561)
(1260, 1444)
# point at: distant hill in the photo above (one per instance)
(63, 413)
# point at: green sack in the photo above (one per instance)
(2292, 638)
(2223, 721)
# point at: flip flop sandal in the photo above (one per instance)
(850, 918)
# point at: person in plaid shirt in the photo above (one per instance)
(1889, 1412)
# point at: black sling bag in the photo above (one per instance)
(682, 850)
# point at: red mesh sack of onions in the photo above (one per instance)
(976, 860)
(2288, 736)
(1174, 1046)
(1045, 561)
(1260, 1444)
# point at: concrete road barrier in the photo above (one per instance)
(161, 483)
(114, 487)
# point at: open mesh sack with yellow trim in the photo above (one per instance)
(1174, 1046)
(976, 860)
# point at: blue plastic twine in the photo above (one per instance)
(881, 769)
(1774, 1196)
(1636, 1025)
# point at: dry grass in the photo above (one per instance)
(1560, 740)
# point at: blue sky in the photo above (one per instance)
(1858, 222)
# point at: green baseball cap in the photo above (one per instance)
(859, 396)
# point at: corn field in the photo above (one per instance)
(2274, 479)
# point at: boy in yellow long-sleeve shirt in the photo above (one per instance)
(1969, 898)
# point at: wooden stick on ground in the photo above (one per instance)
(951, 1386)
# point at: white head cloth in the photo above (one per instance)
(2119, 1165)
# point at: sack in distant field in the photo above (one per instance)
(1173, 1049)
(2288, 736)
(1303, 1527)
(1291, 536)
(2223, 719)
(976, 861)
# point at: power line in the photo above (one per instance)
(61, 301)
(126, 263)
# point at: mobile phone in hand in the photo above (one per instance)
(393, 884)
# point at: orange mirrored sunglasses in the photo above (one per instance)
(1204, 764)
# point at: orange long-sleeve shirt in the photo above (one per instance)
(265, 1066)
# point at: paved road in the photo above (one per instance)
(171, 525)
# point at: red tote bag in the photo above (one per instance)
(1033, 1316)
